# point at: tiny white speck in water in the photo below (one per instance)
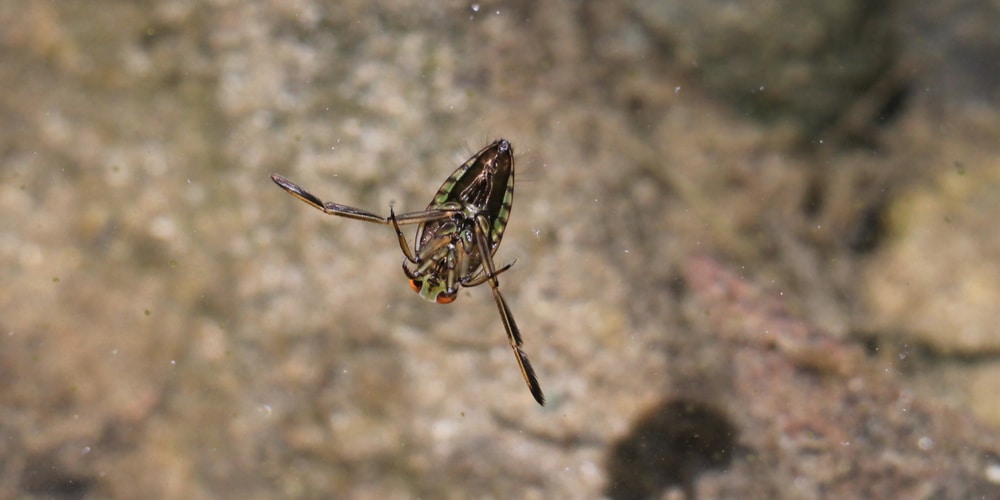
(173, 362)
(626, 250)
(86, 450)
(677, 89)
(114, 352)
(264, 410)
(475, 7)
(498, 12)
(845, 443)
(925, 443)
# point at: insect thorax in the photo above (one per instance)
(449, 257)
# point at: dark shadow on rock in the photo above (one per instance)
(667, 447)
(45, 477)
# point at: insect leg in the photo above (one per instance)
(482, 276)
(426, 258)
(414, 218)
(329, 207)
(513, 333)
(450, 278)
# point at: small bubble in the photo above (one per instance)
(475, 7)
(993, 473)
(925, 443)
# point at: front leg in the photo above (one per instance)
(403, 245)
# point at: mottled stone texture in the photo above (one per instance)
(725, 291)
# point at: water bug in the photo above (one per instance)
(457, 235)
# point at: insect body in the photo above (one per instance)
(457, 235)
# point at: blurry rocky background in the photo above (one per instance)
(756, 241)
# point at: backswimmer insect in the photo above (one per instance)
(457, 235)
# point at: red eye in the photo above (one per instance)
(415, 286)
(445, 299)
